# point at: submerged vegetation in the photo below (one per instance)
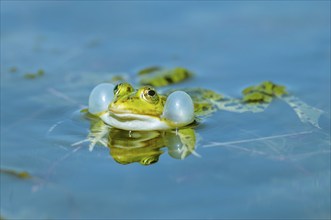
(28, 75)
(13, 69)
(38, 74)
(14, 173)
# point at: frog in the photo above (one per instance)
(126, 107)
(136, 121)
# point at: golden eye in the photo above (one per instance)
(116, 88)
(150, 95)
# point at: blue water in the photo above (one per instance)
(229, 45)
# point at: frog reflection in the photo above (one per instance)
(144, 147)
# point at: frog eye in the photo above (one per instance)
(123, 88)
(179, 108)
(116, 88)
(100, 97)
(150, 95)
(151, 92)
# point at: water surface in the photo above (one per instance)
(282, 170)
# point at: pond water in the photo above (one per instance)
(245, 165)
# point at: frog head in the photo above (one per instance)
(144, 101)
(140, 109)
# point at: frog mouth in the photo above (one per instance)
(130, 121)
(124, 116)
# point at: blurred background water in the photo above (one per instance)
(229, 45)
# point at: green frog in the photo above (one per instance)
(144, 108)
(126, 108)
(136, 122)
